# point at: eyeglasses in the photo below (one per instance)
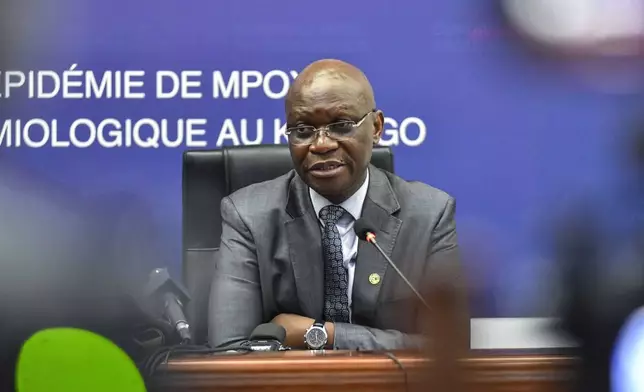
(342, 130)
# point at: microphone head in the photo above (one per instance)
(363, 227)
(269, 331)
(160, 282)
(69, 359)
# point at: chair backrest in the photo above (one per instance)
(209, 176)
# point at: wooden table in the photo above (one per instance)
(353, 371)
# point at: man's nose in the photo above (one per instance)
(323, 143)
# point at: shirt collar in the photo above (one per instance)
(353, 205)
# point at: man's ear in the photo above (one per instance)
(378, 126)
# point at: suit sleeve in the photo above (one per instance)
(357, 337)
(443, 267)
(446, 287)
(235, 295)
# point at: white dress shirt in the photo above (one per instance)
(353, 207)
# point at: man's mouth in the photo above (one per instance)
(326, 169)
(325, 166)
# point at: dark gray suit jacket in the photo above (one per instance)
(270, 260)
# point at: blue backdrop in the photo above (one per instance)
(512, 137)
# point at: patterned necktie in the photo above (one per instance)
(336, 299)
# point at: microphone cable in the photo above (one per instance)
(162, 355)
(400, 366)
(260, 333)
(394, 359)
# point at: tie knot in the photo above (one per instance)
(331, 214)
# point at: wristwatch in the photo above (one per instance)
(316, 337)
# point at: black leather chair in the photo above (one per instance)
(208, 176)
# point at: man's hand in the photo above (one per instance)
(296, 327)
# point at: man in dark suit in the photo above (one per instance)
(288, 250)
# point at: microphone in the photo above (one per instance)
(365, 232)
(168, 297)
(267, 337)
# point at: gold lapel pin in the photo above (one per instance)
(374, 278)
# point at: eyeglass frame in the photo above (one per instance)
(325, 128)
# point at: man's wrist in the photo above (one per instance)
(330, 331)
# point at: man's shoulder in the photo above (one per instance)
(263, 196)
(416, 194)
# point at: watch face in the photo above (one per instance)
(316, 337)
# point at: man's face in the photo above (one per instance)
(333, 168)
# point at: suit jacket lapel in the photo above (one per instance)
(371, 267)
(305, 249)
